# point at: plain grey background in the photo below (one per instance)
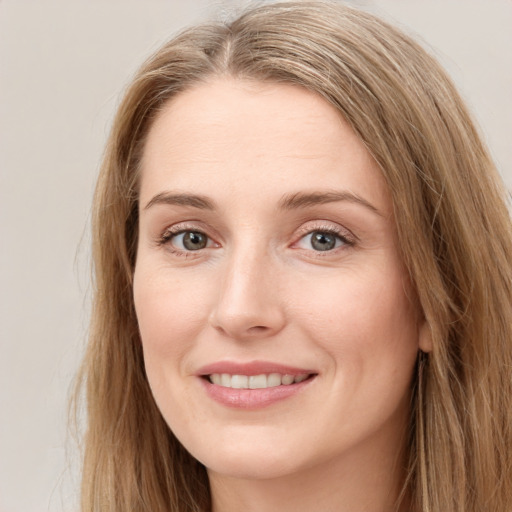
(63, 66)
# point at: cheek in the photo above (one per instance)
(170, 309)
(171, 314)
(370, 335)
(366, 323)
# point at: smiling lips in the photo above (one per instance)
(252, 385)
(261, 381)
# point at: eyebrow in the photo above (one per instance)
(292, 201)
(303, 199)
(193, 200)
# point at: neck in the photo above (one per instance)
(366, 480)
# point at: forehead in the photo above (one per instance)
(241, 136)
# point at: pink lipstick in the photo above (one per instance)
(253, 385)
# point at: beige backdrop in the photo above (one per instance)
(63, 65)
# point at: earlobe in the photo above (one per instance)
(425, 337)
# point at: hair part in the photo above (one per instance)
(453, 228)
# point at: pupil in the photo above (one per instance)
(193, 241)
(323, 241)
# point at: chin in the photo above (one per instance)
(249, 461)
(244, 469)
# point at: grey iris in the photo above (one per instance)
(193, 241)
(322, 241)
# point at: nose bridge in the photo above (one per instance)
(248, 302)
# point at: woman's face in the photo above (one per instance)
(275, 313)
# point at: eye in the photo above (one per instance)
(322, 241)
(189, 240)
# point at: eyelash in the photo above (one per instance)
(173, 231)
(347, 240)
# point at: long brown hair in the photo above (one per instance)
(454, 233)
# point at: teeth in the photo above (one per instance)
(239, 381)
(273, 380)
(256, 381)
(261, 381)
(287, 379)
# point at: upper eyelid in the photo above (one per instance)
(345, 240)
(328, 226)
(181, 227)
(171, 232)
(305, 228)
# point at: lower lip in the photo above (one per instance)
(252, 398)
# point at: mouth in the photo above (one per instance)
(253, 385)
(261, 381)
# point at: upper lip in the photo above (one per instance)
(251, 368)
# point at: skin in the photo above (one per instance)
(259, 291)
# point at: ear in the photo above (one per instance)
(424, 337)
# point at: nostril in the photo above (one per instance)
(258, 329)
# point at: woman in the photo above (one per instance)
(303, 281)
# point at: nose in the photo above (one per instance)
(249, 304)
